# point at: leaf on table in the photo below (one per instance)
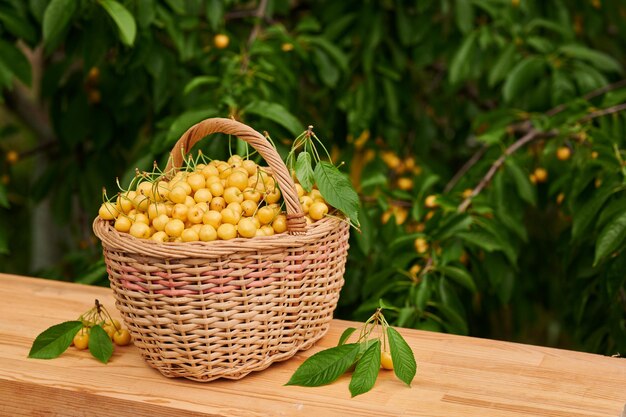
(345, 335)
(304, 171)
(404, 364)
(337, 190)
(326, 366)
(100, 344)
(55, 340)
(366, 372)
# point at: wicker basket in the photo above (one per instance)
(222, 309)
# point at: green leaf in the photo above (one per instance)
(276, 113)
(186, 120)
(18, 25)
(214, 13)
(304, 171)
(366, 372)
(100, 344)
(146, 12)
(15, 61)
(4, 238)
(337, 55)
(55, 340)
(123, 19)
(460, 65)
(327, 71)
(464, 15)
(365, 239)
(459, 275)
(404, 364)
(454, 322)
(38, 8)
(522, 182)
(598, 59)
(502, 66)
(55, 20)
(423, 293)
(549, 25)
(482, 239)
(584, 217)
(4, 201)
(540, 44)
(198, 81)
(337, 190)
(611, 238)
(452, 225)
(522, 77)
(326, 366)
(345, 335)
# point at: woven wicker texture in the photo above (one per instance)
(222, 309)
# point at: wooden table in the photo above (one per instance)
(457, 376)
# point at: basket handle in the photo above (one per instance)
(295, 217)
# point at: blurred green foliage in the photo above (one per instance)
(405, 92)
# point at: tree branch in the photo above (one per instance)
(33, 115)
(525, 126)
(604, 112)
(259, 14)
(590, 95)
(527, 138)
(465, 168)
(529, 134)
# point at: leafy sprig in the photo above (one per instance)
(364, 356)
(311, 170)
(55, 340)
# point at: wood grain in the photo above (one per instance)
(456, 375)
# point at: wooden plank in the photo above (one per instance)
(456, 375)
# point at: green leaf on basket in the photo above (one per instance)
(326, 366)
(345, 335)
(366, 372)
(100, 344)
(304, 171)
(337, 190)
(54, 340)
(123, 19)
(611, 238)
(404, 364)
